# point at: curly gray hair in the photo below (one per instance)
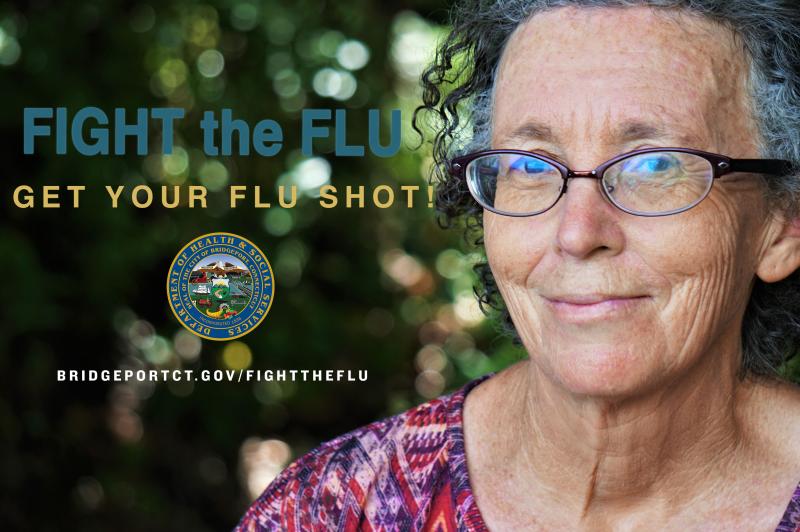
(460, 99)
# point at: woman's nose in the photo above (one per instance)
(588, 224)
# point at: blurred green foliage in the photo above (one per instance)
(384, 290)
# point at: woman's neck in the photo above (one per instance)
(609, 451)
(593, 456)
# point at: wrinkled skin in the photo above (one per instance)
(632, 324)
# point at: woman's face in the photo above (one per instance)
(608, 303)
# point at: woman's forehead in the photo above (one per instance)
(560, 33)
(566, 67)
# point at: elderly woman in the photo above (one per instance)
(630, 164)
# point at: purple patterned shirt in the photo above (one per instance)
(407, 472)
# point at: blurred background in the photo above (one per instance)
(383, 290)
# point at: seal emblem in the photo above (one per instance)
(220, 286)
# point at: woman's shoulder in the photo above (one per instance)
(395, 463)
(772, 420)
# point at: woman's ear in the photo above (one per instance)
(782, 257)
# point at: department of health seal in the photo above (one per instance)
(220, 286)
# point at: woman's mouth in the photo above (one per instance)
(580, 308)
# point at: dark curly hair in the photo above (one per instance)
(457, 103)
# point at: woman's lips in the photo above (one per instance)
(578, 308)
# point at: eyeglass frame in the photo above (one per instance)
(721, 165)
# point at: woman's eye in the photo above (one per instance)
(652, 165)
(529, 165)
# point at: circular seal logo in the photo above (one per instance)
(220, 286)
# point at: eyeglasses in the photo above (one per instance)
(646, 182)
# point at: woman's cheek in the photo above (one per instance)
(511, 247)
(698, 257)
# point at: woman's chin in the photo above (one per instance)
(606, 371)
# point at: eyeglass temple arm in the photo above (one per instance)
(777, 167)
